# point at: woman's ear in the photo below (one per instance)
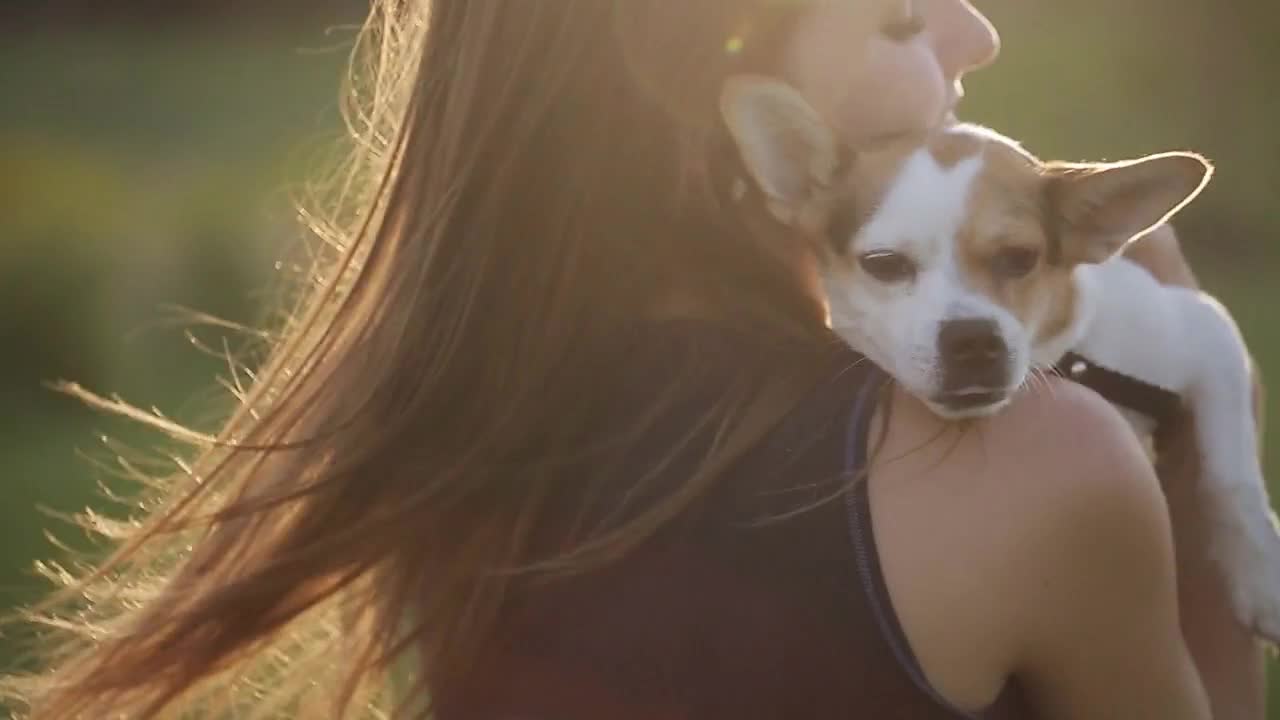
(788, 150)
(1098, 208)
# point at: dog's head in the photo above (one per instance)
(949, 260)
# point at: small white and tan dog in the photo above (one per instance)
(962, 265)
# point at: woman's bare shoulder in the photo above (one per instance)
(991, 535)
(1055, 447)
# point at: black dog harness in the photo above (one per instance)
(1153, 401)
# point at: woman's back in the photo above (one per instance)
(763, 600)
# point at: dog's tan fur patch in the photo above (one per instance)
(1005, 210)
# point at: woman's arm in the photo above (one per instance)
(1105, 641)
(1229, 659)
(1035, 545)
(1102, 639)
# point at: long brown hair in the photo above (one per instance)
(533, 179)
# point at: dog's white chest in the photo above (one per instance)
(1132, 324)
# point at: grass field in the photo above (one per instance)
(150, 171)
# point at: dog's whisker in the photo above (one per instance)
(1040, 379)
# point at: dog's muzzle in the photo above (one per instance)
(974, 361)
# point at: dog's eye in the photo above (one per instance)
(888, 266)
(1015, 262)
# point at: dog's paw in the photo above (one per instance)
(1251, 562)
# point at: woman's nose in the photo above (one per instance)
(964, 39)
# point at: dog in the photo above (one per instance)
(962, 265)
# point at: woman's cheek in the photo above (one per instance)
(892, 95)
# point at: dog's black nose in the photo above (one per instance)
(972, 352)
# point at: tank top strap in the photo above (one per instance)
(867, 557)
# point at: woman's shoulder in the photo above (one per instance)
(1047, 511)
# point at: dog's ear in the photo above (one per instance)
(788, 150)
(1098, 208)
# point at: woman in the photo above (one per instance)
(562, 433)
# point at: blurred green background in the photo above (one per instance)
(150, 154)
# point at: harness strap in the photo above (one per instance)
(1157, 403)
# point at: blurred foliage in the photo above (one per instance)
(241, 15)
(146, 169)
(143, 173)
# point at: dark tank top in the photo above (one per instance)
(764, 599)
